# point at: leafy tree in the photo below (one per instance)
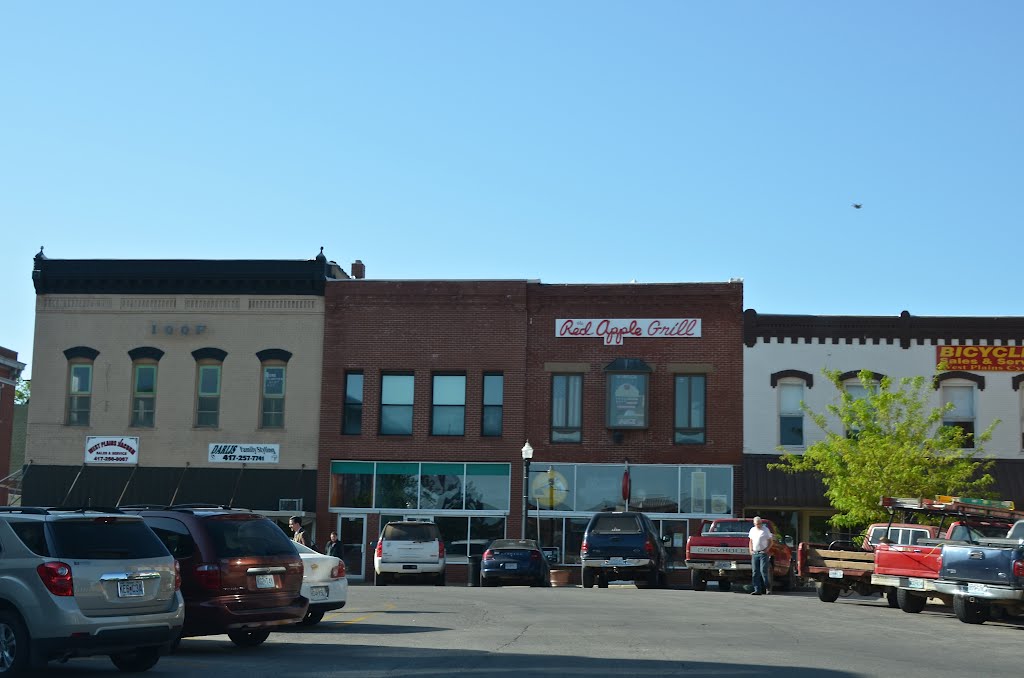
(22, 391)
(891, 442)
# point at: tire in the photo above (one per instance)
(788, 581)
(827, 593)
(892, 596)
(15, 645)
(441, 578)
(654, 579)
(724, 585)
(908, 602)
(488, 582)
(243, 638)
(968, 612)
(312, 618)
(136, 662)
(381, 579)
(699, 584)
(602, 581)
(588, 578)
(538, 582)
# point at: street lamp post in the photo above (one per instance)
(527, 456)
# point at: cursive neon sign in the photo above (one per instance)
(615, 330)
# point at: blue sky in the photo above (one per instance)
(571, 142)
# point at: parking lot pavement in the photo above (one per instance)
(435, 632)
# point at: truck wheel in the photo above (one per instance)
(141, 660)
(588, 578)
(892, 596)
(788, 581)
(700, 584)
(381, 579)
(827, 593)
(908, 602)
(724, 585)
(968, 612)
(602, 581)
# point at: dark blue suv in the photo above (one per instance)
(623, 545)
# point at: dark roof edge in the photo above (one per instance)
(904, 328)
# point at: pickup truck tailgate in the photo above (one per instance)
(982, 564)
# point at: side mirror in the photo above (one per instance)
(666, 538)
(789, 541)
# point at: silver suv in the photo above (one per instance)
(75, 583)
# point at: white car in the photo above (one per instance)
(409, 548)
(323, 582)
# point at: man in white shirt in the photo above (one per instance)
(761, 540)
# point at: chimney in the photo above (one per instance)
(358, 269)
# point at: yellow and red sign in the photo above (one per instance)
(980, 358)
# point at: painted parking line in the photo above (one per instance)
(356, 620)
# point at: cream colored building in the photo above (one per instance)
(177, 382)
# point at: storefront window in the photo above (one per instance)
(705, 489)
(598, 487)
(397, 485)
(549, 534)
(574, 529)
(676, 531)
(441, 486)
(487, 487)
(655, 489)
(352, 484)
(551, 487)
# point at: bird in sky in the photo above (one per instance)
(856, 205)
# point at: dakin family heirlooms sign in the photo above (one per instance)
(615, 330)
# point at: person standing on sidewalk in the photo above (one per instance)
(761, 540)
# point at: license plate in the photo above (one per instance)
(977, 588)
(265, 581)
(835, 574)
(511, 566)
(723, 564)
(318, 593)
(616, 561)
(410, 567)
(130, 589)
(915, 583)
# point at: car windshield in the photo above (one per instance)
(613, 523)
(105, 538)
(410, 532)
(233, 538)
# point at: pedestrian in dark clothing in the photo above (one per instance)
(333, 547)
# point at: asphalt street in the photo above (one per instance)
(434, 632)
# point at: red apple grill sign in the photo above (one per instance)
(111, 450)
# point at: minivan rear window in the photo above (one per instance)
(104, 538)
(234, 538)
(410, 532)
(616, 524)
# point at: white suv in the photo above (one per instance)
(75, 583)
(409, 548)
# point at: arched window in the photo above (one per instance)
(79, 384)
(209, 364)
(790, 385)
(273, 366)
(144, 369)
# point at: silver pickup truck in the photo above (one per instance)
(985, 577)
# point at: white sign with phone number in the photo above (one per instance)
(111, 450)
(245, 453)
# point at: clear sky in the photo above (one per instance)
(566, 141)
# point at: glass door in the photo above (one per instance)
(352, 534)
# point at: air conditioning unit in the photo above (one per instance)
(294, 505)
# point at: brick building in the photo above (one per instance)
(10, 371)
(431, 389)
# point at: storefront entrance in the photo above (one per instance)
(352, 535)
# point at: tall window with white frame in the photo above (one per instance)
(448, 410)
(272, 395)
(791, 416)
(396, 404)
(691, 394)
(566, 408)
(208, 381)
(79, 392)
(493, 404)
(962, 412)
(144, 394)
(352, 418)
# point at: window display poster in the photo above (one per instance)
(698, 490)
(719, 503)
(628, 400)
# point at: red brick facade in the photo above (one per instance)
(473, 327)
(10, 370)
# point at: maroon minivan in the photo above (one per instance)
(240, 574)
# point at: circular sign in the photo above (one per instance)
(549, 488)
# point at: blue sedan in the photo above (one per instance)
(514, 561)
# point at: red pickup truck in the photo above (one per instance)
(721, 553)
(911, 568)
(844, 567)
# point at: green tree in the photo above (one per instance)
(22, 391)
(889, 442)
